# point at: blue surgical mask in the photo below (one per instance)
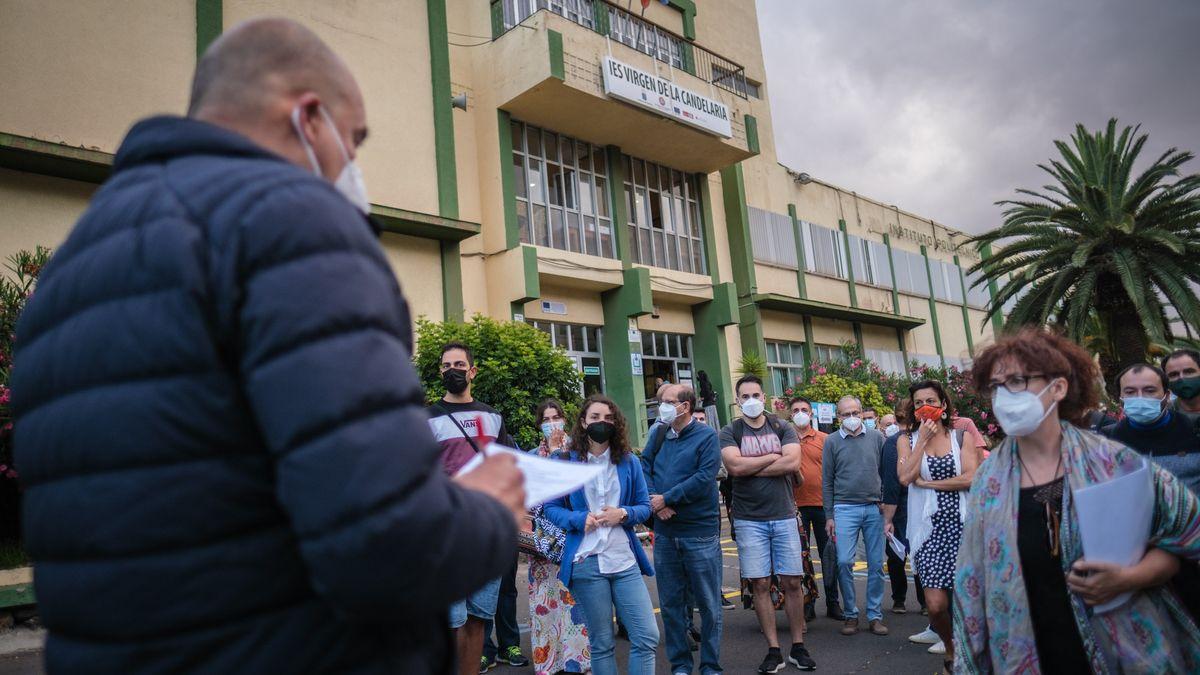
(870, 424)
(548, 428)
(1143, 410)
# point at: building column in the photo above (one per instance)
(210, 21)
(737, 221)
(631, 300)
(801, 261)
(849, 263)
(993, 291)
(965, 312)
(709, 351)
(445, 163)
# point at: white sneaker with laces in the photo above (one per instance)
(939, 648)
(925, 637)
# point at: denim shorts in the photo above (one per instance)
(769, 547)
(481, 604)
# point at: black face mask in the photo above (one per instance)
(601, 432)
(455, 381)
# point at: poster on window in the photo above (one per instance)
(825, 412)
(647, 90)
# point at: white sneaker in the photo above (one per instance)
(925, 637)
(939, 648)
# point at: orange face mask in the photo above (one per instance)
(929, 412)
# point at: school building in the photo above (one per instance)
(604, 172)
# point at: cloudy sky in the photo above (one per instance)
(945, 106)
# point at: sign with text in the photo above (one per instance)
(825, 412)
(647, 90)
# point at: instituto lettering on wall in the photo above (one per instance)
(633, 85)
(938, 244)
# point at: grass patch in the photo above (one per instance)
(12, 555)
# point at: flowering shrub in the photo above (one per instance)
(15, 290)
(518, 368)
(859, 376)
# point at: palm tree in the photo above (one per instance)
(1101, 245)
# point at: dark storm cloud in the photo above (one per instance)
(943, 107)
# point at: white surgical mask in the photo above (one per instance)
(752, 407)
(666, 412)
(350, 181)
(1020, 414)
(892, 430)
(802, 419)
(851, 424)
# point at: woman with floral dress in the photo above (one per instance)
(558, 631)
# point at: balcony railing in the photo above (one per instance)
(618, 24)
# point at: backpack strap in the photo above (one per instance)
(737, 427)
(460, 427)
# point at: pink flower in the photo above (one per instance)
(991, 429)
(982, 415)
(821, 370)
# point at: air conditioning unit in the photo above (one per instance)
(549, 307)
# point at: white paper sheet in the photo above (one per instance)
(897, 547)
(545, 479)
(1115, 520)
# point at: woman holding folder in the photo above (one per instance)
(602, 561)
(1022, 594)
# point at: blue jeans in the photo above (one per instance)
(481, 604)
(597, 594)
(680, 563)
(849, 521)
(767, 547)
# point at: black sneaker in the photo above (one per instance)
(810, 612)
(800, 658)
(773, 663)
(513, 657)
(834, 611)
(726, 603)
(486, 664)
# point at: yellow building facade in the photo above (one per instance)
(606, 173)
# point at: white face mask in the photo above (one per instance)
(892, 430)
(753, 407)
(801, 419)
(666, 413)
(350, 181)
(1020, 414)
(852, 424)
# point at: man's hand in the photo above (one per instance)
(657, 503)
(1098, 582)
(889, 530)
(829, 528)
(611, 516)
(499, 478)
(666, 513)
(591, 523)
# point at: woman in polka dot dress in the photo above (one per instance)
(938, 472)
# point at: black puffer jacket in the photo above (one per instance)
(227, 463)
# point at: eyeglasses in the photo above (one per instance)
(1014, 383)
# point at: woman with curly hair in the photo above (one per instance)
(558, 630)
(1022, 591)
(602, 561)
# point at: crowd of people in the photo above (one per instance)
(229, 476)
(900, 487)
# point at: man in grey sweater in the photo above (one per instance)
(853, 498)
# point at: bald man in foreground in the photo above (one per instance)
(224, 444)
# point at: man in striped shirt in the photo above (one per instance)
(463, 427)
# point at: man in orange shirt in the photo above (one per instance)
(807, 493)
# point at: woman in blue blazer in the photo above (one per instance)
(602, 560)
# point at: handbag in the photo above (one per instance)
(540, 537)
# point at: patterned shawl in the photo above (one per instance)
(993, 633)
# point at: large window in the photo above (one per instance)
(888, 360)
(947, 284)
(666, 357)
(772, 238)
(823, 250)
(828, 353)
(562, 195)
(977, 297)
(871, 262)
(911, 276)
(785, 365)
(645, 37)
(579, 11)
(582, 344)
(664, 216)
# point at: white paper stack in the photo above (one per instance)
(545, 479)
(1114, 522)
